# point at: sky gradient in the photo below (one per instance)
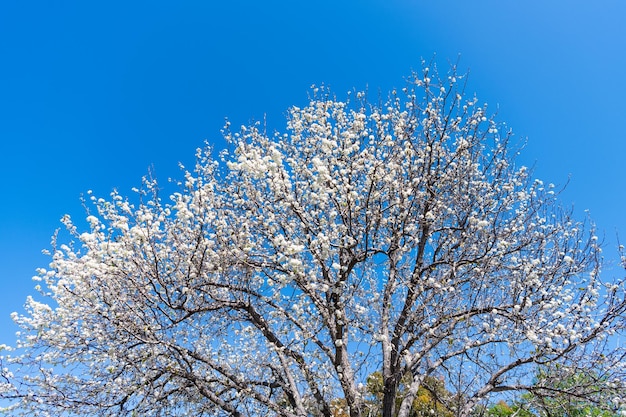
(93, 95)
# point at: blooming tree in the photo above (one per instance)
(399, 237)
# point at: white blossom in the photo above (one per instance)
(399, 235)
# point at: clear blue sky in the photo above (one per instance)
(93, 94)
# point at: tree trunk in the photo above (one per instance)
(389, 397)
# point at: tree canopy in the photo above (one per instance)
(398, 236)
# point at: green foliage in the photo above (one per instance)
(502, 409)
(432, 399)
(576, 396)
(551, 396)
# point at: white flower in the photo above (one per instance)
(532, 336)
(295, 263)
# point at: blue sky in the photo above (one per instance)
(94, 94)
